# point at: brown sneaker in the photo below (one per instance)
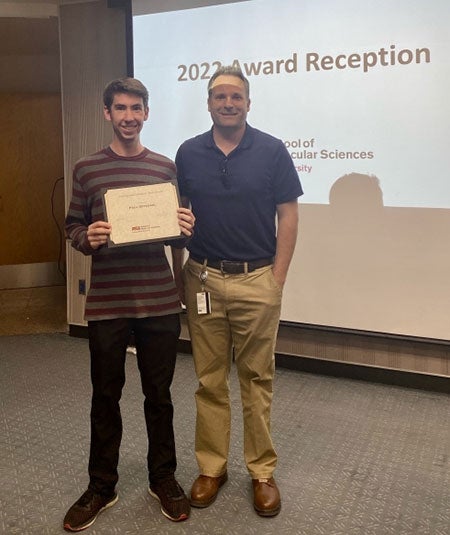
(266, 497)
(205, 489)
(174, 503)
(85, 510)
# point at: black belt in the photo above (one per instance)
(232, 267)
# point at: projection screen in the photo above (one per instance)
(358, 91)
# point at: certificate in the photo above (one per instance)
(142, 213)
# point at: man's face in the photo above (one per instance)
(228, 103)
(127, 115)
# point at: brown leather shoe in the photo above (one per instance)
(266, 497)
(205, 489)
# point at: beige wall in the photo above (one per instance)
(93, 53)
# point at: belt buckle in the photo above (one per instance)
(222, 270)
(231, 267)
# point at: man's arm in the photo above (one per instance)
(287, 219)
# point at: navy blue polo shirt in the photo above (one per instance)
(234, 197)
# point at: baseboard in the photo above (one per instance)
(364, 373)
(332, 368)
(30, 275)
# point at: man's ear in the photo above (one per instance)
(106, 113)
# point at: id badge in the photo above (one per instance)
(203, 303)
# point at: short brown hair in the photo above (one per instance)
(124, 85)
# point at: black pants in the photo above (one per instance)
(156, 346)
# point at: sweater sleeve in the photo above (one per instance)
(78, 219)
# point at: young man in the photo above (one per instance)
(240, 183)
(132, 292)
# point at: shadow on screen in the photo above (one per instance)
(361, 265)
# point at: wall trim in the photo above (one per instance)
(30, 275)
(317, 366)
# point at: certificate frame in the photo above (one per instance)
(143, 213)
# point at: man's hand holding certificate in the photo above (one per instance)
(143, 213)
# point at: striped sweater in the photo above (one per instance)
(132, 281)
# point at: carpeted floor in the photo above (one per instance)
(355, 458)
(33, 310)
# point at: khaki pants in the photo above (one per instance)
(245, 316)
